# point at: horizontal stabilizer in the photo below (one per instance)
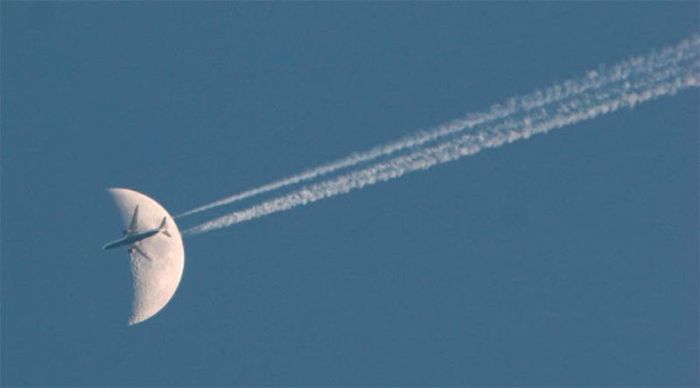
(163, 228)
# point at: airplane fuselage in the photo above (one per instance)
(134, 238)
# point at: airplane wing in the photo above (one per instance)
(134, 220)
(141, 252)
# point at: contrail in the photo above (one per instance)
(666, 81)
(596, 79)
(659, 83)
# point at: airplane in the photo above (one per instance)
(133, 238)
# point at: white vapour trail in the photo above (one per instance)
(603, 77)
(662, 82)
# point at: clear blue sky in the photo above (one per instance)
(566, 259)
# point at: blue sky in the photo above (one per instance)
(566, 259)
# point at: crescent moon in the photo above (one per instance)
(155, 278)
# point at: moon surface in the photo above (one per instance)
(154, 281)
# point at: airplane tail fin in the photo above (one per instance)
(163, 228)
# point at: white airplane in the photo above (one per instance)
(133, 238)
